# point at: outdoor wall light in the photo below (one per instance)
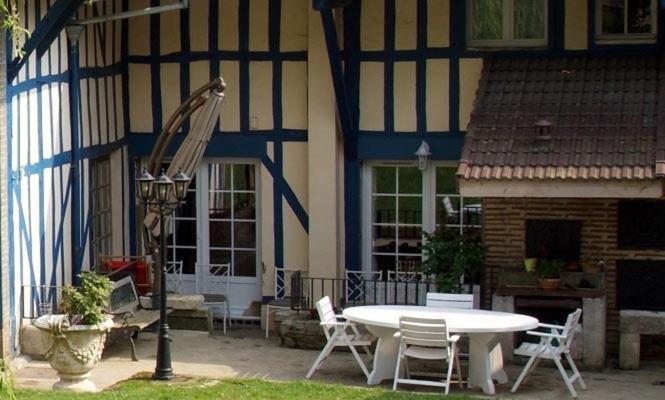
(180, 182)
(422, 156)
(144, 185)
(163, 185)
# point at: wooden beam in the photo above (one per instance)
(321, 5)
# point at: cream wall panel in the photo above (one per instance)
(95, 115)
(170, 80)
(406, 24)
(322, 148)
(371, 96)
(139, 31)
(260, 95)
(293, 29)
(576, 25)
(112, 111)
(85, 114)
(103, 110)
(371, 28)
(49, 220)
(267, 230)
(23, 126)
(438, 23)
(66, 120)
(199, 75)
(47, 121)
(295, 170)
(140, 116)
(270, 151)
(294, 95)
(404, 83)
(296, 240)
(230, 114)
(258, 25)
(470, 71)
(119, 99)
(169, 32)
(34, 132)
(438, 95)
(198, 25)
(228, 24)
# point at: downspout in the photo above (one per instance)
(73, 34)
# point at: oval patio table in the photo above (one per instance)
(481, 326)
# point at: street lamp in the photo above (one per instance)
(157, 192)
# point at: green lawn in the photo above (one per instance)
(234, 389)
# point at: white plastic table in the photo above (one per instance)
(485, 357)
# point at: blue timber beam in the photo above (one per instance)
(45, 33)
(348, 122)
(320, 5)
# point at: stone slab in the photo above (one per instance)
(629, 351)
(34, 342)
(644, 322)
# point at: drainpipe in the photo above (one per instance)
(73, 34)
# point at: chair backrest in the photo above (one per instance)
(449, 300)
(174, 275)
(448, 206)
(213, 278)
(326, 311)
(427, 332)
(570, 328)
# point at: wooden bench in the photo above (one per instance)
(129, 317)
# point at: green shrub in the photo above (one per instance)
(549, 269)
(85, 304)
(449, 256)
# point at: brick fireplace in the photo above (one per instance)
(504, 233)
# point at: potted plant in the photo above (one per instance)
(549, 273)
(78, 335)
(451, 256)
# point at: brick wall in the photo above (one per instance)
(504, 234)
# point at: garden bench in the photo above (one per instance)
(128, 315)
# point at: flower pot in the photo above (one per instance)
(549, 283)
(74, 351)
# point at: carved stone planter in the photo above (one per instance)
(74, 351)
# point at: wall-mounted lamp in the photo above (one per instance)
(422, 156)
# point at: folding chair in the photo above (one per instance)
(551, 346)
(173, 276)
(339, 336)
(213, 282)
(427, 339)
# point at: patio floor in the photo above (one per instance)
(245, 353)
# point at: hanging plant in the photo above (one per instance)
(11, 21)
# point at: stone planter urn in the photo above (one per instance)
(74, 351)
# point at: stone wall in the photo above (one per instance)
(504, 234)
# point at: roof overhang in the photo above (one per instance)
(646, 189)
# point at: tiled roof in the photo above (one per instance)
(606, 114)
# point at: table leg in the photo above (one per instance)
(385, 356)
(485, 362)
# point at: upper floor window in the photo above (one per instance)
(101, 234)
(507, 23)
(626, 20)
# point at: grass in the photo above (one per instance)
(237, 389)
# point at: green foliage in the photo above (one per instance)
(549, 269)
(236, 389)
(6, 382)
(450, 255)
(85, 304)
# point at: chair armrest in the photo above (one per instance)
(541, 325)
(123, 314)
(338, 323)
(453, 338)
(340, 316)
(544, 334)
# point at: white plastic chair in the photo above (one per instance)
(335, 328)
(552, 346)
(288, 288)
(427, 339)
(173, 276)
(213, 282)
(449, 300)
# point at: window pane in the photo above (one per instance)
(220, 256)
(612, 14)
(473, 211)
(446, 181)
(220, 233)
(410, 180)
(243, 204)
(188, 208)
(639, 16)
(188, 258)
(219, 205)
(243, 177)
(219, 177)
(447, 210)
(384, 209)
(245, 263)
(382, 236)
(529, 19)
(185, 232)
(384, 263)
(410, 210)
(244, 234)
(487, 18)
(409, 239)
(384, 179)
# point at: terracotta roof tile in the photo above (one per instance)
(607, 115)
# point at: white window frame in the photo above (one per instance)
(625, 38)
(99, 217)
(507, 41)
(429, 197)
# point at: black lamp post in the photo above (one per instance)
(157, 192)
